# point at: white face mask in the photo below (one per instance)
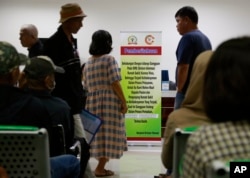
(51, 88)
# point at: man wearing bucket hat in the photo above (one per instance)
(69, 11)
(61, 47)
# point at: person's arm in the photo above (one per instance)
(168, 143)
(182, 73)
(118, 91)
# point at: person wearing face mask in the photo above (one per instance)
(20, 107)
(38, 78)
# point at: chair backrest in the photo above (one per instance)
(180, 140)
(24, 151)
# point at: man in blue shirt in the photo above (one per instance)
(192, 43)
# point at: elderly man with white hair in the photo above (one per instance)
(29, 39)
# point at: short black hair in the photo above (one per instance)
(189, 12)
(101, 43)
(226, 83)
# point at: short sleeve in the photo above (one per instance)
(113, 70)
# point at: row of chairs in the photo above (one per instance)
(24, 151)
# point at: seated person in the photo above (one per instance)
(38, 78)
(226, 103)
(65, 166)
(191, 112)
(18, 107)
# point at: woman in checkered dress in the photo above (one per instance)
(101, 77)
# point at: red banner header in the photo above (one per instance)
(141, 50)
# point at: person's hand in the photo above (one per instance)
(3, 173)
(124, 108)
(22, 81)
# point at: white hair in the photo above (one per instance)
(30, 29)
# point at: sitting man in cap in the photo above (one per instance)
(38, 78)
(18, 107)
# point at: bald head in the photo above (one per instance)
(28, 35)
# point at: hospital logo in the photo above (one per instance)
(149, 39)
(132, 40)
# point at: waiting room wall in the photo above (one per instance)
(220, 20)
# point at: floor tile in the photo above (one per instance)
(137, 162)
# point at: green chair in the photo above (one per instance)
(24, 151)
(180, 140)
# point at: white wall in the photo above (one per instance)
(220, 20)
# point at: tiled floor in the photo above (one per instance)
(140, 161)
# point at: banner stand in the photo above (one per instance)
(141, 82)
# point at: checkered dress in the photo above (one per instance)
(98, 75)
(225, 141)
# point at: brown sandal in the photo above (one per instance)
(162, 176)
(106, 173)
